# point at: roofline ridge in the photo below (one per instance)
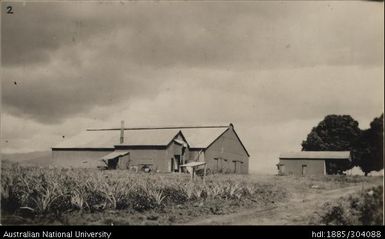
(166, 127)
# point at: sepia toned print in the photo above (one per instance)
(192, 112)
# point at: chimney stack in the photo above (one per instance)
(122, 132)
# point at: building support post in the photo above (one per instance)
(192, 173)
(204, 174)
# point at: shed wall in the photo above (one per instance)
(196, 155)
(227, 155)
(294, 166)
(78, 158)
(154, 157)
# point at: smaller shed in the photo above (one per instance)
(118, 159)
(309, 162)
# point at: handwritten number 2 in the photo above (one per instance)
(9, 10)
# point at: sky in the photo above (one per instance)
(274, 69)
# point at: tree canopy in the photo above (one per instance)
(341, 133)
(334, 133)
(369, 148)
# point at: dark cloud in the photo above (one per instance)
(53, 95)
(37, 30)
(199, 34)
(68, 58)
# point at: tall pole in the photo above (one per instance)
(122, 132)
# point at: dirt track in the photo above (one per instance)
(294, 212)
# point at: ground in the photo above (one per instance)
(294, 212)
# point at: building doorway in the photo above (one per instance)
(175, 163)
(281, 169)
(304, 166)
(112, 163)
(120, 162)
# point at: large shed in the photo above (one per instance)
(309, 162)
(155, 149)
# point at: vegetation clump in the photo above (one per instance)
(364, 208)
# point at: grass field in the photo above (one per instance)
(83, 196)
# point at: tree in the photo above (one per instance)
(333, 133)
(369, 148)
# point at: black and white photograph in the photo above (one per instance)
(192, 113)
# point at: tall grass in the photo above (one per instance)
(45, 191)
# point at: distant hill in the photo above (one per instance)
(39, 158)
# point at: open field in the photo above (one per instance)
(80, 196)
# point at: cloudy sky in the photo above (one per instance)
(274, 69)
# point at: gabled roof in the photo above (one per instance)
(196, 137)
(110, 138)
(149, 137)
(316, 155)
(202, 137)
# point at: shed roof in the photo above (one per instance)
(195, 137)
(116, 153)
(316, 155)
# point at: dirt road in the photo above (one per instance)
(293, 212)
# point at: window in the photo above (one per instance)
(225, 165)
(216, 164)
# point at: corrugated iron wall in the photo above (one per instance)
(226, 154)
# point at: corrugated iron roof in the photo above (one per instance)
(109, 138)
(202, 137)
(149, 137)
(196, 138)
(316, 155)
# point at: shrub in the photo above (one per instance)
(141, 202)
(174, 195)
(364, 208)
